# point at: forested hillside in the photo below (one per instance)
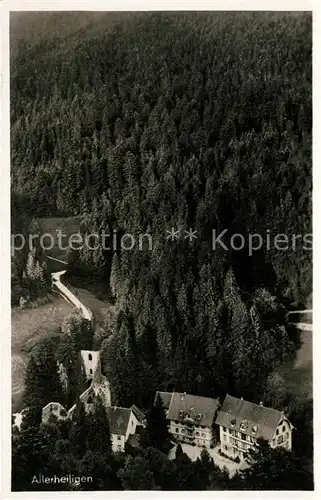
(168, 120)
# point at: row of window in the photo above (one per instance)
(190, 440)
(241, 454)
(177, 422)
(184, 432)
(281, 439)
(240, 435)
(243, 436)
(278, 430)
(239, 444)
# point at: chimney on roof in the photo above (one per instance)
(261, 403)
(183, 396)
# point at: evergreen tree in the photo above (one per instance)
(79, 430)
(157, 426)
(42, 382)
(275, 469)
(98, 439)
(136, 474)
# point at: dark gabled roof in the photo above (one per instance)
(201, 410)
(165, 397)
(138, 413)
(257, 420)
(118, 419)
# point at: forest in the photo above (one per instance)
(146, 122)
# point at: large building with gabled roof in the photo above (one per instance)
(242, 423)
(190, 417)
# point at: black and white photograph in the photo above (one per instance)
(161, 250)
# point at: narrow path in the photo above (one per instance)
(66, 293)
(307, 327)
(69, 296)
(300, 312)
(57, 260)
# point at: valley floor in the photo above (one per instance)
(297, 375)
(31, 325)
(28, 327)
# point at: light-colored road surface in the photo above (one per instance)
(306, 327)
(66, 293)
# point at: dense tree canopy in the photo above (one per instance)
(151, 121)
(198, 121)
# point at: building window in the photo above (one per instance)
(243, 425)
(119, 438)
(203, 435)
(224, 437)
(177, 430)
(286, 435)
(119, 448)
(90, 357)
(243, 436)
(280, 440)
(197, 433)
(90, 371)
(277, 432)
(225, 447)
(283, 428)
(224, 429)
(183, 431)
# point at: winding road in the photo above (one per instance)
(58, 286)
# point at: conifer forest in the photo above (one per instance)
(178, 126)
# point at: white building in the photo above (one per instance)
(190, 417)
(242, 423)
(123, 423)
(91, 363)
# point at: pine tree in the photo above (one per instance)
(78, 433)
(98, 439)
(275, 469)
(136, 474)
(157, 426)
(114, 275)
(178, 451)
(42, 382)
